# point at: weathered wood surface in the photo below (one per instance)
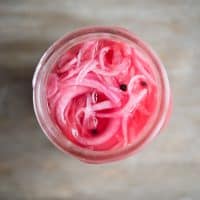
(31, 168)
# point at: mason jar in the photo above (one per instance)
(156, 122)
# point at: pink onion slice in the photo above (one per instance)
(102, 138)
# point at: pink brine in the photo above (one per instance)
(100, 93)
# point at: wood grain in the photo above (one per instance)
(31, 168)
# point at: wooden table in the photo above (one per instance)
(32, 168)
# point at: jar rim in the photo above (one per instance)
(53, 133)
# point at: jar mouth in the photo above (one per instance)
(150, 130)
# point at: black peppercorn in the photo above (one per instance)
(94, 131)
(143, 83)
(123, 87)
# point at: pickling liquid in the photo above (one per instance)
(101, 93)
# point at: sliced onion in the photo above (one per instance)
(102, 106)
(85, 70)
(72, 93)
(120, 68)
(111, 130)
(68, 65)
(62, 104)
(140, 64)
(133, 81)
(130, 107)
(102, 53)
(90, 83)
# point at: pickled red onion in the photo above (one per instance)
(84, 96)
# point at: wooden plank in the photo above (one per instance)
(31, 168)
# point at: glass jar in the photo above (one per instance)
(44, 67)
